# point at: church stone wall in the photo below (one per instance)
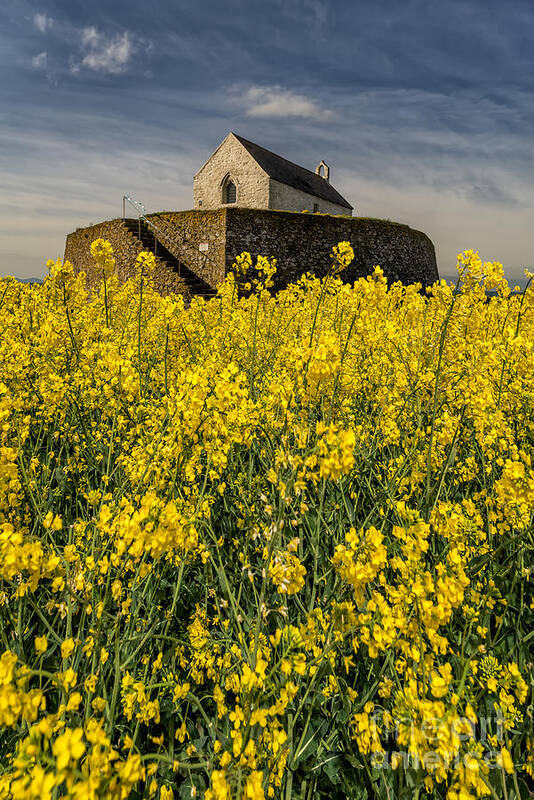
(126, 248)
(231, 158)
(300, 243)
(198, 238)
(285, 198)
(303, 242)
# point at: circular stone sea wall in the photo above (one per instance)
(208, 241)
(303, 242)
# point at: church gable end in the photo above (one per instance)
(243, 174)
(231, 177)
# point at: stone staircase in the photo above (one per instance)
(148, 238)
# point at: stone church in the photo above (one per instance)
(247, 198)
(244, 175)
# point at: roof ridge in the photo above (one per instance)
(272, 153)
(295, 175)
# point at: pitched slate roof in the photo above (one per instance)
(284, 171)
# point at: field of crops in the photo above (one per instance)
(267, 545)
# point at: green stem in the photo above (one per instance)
(443, 337)
(106, 297)
(71, 331)
(139, 337)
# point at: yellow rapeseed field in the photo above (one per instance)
(266, 545)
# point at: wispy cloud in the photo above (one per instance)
(40, 61)
(100, 51)
(103, 53)
(275, 101)
(43, 22)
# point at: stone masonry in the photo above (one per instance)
(126, 248)
(207, 242)
(303, 243)
(286, 198)
(232, 160)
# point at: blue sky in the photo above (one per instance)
(424, 110)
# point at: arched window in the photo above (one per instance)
(230, 192)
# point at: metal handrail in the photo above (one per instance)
(163, 235)
(138, 206)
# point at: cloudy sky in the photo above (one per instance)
(424, 110)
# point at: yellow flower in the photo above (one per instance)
(52, 522)
(131, 770)
(42, 783)
(67, 647)
(98, 704)
(253, 786)
(90, 683)
(220, 788)
(145, 262)
(242, 264)
(74, 701)
(287, 572)
(504, 759)
(60, 271)
(342, 255)
(68, 747)
(102, 252)
(441, 680)
(41, 644)
(341, 467)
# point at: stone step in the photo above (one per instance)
(149, 240)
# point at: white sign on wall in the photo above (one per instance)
(203, 247)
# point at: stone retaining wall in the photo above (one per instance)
(302, 243)
(208, 242)
(192, 231)
(126, 249)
